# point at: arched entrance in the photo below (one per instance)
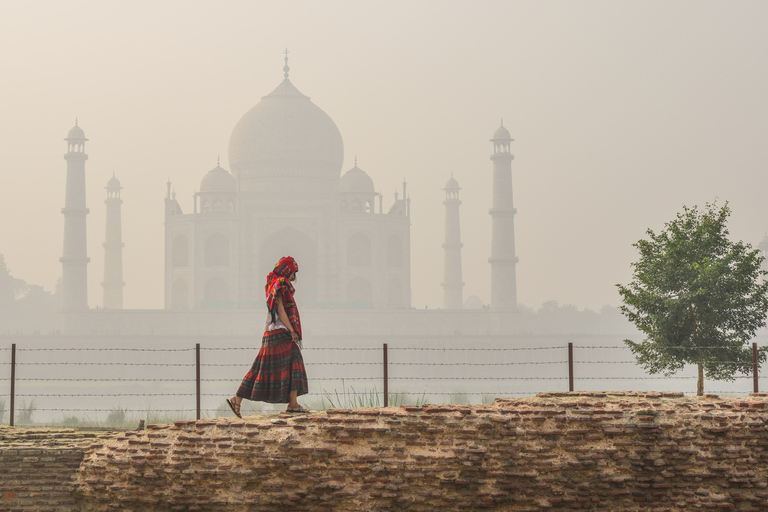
(359, 292)
(359, 251)
(216, 290)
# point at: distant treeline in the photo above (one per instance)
(25, 308)
(30, 309)
(552, 318)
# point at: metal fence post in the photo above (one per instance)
(570, 366)
(13, 381)
(386, 378)
(754, 367)
(197, 377)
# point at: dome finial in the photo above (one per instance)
(75, 121)
(286, 68)
(355, 160)
(502, 121)
(218, 160)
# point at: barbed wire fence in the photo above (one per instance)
(192, 382)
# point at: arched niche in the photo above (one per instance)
(394, 251)
(395, 294)
(216, 250)
(359, 251)
(180, 252)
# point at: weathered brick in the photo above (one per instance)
(482, 461)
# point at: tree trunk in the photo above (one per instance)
(700, 384)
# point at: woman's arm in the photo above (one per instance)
(283, 316)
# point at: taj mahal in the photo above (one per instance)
(286, 193)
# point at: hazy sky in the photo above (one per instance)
(621, 113)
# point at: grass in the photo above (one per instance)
(116, 416)
(25, 413)
(121, 418)
(352, 399)
(486, 398)
(345, 398)
(464, 398)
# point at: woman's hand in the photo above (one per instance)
(294, 337)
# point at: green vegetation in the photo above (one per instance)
(698, 297)
(352, 399)
(486, 398)
(25, 412)
(345, 398)
(73, 422)
(27, 308)
(120, 418)
(116, 416)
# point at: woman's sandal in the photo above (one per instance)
(299, 410)
(234, 406)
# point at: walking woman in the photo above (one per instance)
(277, 375)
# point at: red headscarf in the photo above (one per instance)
(279, 286)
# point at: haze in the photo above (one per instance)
(621, 113)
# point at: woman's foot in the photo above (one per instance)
(297, 409)
(234, 405)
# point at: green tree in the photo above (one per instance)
(25, 308)
(698, 297)
(9, 289)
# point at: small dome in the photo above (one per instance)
(356, 180)
(452, 184)
(113, 183)
(76, 133)
(501, 133)
(218, 179)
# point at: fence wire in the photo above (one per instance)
(48, 382)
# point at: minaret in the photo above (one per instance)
(503, 259)
(74, 261)
(452, 282)
(113, 248)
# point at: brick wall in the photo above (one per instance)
(558, 451)
(38, 468)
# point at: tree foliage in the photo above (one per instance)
(698, 297)
(25, 308)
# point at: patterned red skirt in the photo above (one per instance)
(277, 370)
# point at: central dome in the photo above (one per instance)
(286, 134)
